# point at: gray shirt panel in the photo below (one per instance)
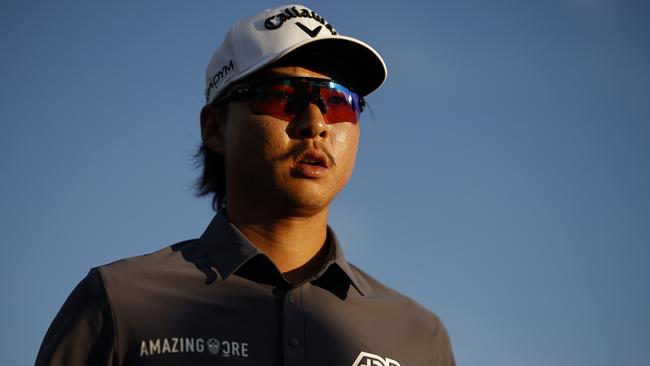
(218, 300)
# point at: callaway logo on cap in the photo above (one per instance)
(253, 43)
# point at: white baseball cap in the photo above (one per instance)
(253, 43)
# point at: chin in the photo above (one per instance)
(307, 201)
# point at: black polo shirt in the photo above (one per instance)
(219, 300)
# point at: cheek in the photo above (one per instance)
(239, 142)
(347, 137)
(254, 141)
(347, 143)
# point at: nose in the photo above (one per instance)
(310, 123)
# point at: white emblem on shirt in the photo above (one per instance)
(369, 359)
(213, 346)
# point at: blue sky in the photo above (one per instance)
(502, 181)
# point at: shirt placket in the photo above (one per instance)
(293, 323)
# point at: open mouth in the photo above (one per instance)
(314, 158)
(312, 163)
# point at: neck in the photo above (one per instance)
(295, 244)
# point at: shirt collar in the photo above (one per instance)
(336, 257)
(228, 250)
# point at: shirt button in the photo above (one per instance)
(291, 298)
(294, 342)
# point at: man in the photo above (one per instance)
(267, 282)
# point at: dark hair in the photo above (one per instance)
(213, 177)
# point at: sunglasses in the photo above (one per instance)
(286, 97)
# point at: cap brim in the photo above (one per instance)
(366, 69)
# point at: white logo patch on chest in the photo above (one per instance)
(369, 359)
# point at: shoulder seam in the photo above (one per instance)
(116, 343)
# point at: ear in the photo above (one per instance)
(212, 129)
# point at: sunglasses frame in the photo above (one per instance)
(255, 89)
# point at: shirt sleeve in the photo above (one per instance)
(82, 333)
(443, 355)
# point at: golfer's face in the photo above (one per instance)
(300, 163)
